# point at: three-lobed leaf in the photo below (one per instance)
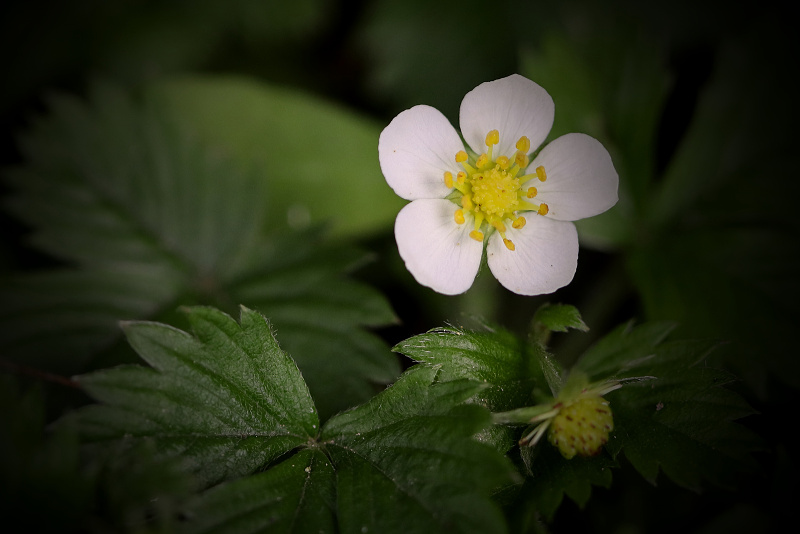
(227, 402)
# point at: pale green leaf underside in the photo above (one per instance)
(321, 159)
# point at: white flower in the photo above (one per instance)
(495, 195)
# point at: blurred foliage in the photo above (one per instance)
(253, 117)
(149, 220)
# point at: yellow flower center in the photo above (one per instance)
(490, 189)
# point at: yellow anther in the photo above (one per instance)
(492, 138)
(541, 174)
(509, 244)
(519, 222)
(503, 162)
(461, 156)
(461, 176)
(448, 179)
(521, 159)
(499, 225)
(483, 159)
(466, 203)
(532, 192)
(524, 145)
(543, 209)
(459, 217)
(477, 235)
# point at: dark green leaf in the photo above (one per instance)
(681, 420)
(384, 452)
(227, 400)
(559, 318)
(511, 368)
(296, 495)
(403, 462)
(625, 348)
(552, 477)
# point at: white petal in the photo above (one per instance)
(415, 150)
(581, 179)
(545, 256)
(437, 251)
(514, 106)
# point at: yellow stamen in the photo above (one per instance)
(466, 203)
(543, 209)
(461, 156)
(459, 217)
(541, 174)
(448, 179)
(483, 159)
(476, 235)
(522, 160)
(509, 244)
(524, 145)
(492, 138)
(461, 176)
(503, 162)
(532, 192)
(519, 222)
(499, 225)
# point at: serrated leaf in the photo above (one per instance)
(227, 400)
(552, 477)
(384, 450)
(681, 421)
(403, 462)
(559, 318)
(625, 347)
(296, 495)
(152, 220)
(511, 368)
(551, 318)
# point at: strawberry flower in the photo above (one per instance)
(488, 194)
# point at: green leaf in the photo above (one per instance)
(296, 495)
(150, 219)
(511, 368)
(624, 348)
(681, 421)
(551, 477)
(384, 450)
(227, 400)
(320, 160)
(551, 318)
(403, 462)
(559, 318)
